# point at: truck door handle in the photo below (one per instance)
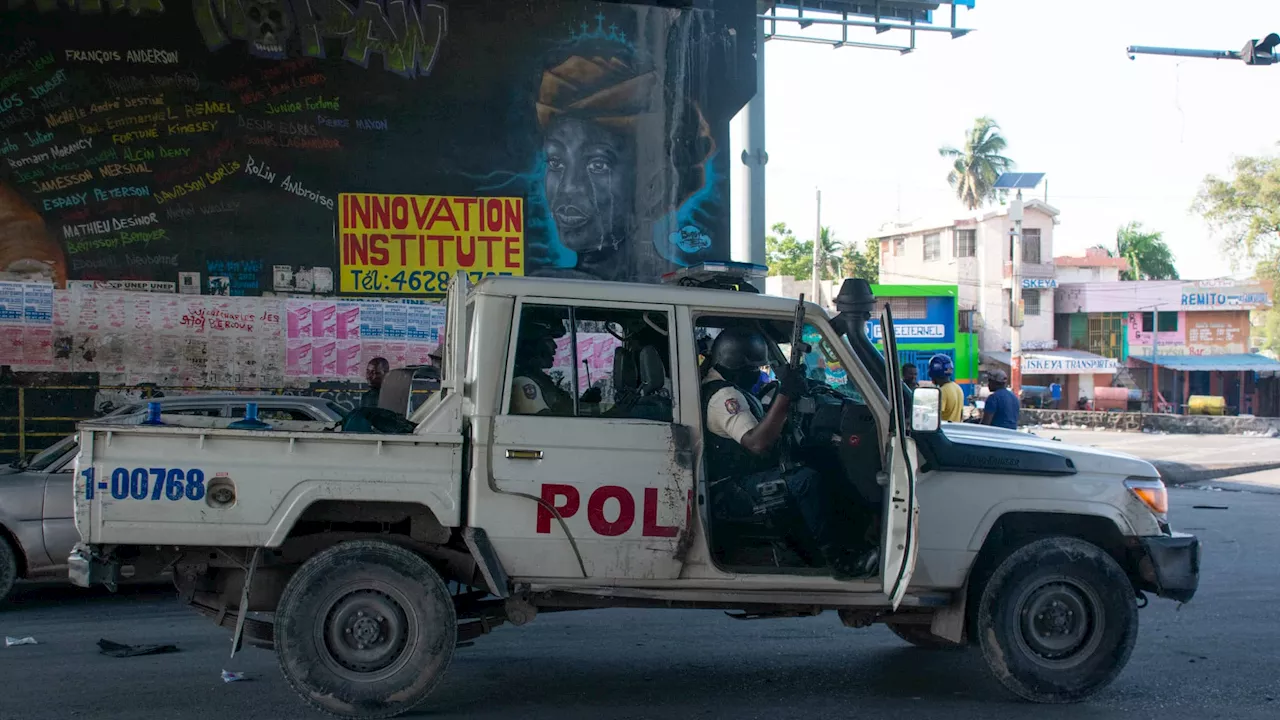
(524, 454)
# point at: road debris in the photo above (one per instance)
(114, 649)
(230, 677)
(11, 641)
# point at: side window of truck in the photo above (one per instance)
(575, 361)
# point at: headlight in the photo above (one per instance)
(1152, 493)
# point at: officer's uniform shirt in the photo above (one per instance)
(729, 411)
(526, 397)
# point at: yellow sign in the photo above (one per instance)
(413, 244)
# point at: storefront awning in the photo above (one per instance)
(1058, 362)
(1249, 362)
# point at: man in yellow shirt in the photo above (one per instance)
(941, 372)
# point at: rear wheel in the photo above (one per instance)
(8, 568)
(922, 637)
(1058, 620)
(365, 630)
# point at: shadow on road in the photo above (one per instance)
(492, 684)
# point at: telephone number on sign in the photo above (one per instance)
(410, 281)
(155, 483)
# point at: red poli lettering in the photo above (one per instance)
(565, 501)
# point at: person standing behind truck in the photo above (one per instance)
(1001, 408)
(941, 372)
(375, 372)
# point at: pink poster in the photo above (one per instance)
(370, 350)
(38, 347)
(324, 358)
(11, 345)
(299, 322)
(324, 320)
(349, 360)
(297, 362)
(397, 354)
(348, 322)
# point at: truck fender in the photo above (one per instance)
(1040, 505)
(306, 494)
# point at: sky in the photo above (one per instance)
(1120, 140)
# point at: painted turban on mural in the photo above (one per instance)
(622, 151)
(27, 252)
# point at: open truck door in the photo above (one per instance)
(902, 511)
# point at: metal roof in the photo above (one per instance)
(1247, 362)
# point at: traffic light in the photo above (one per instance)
(1260, 52)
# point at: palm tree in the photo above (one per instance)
(829, 254)
(979, 164)
(1148, 255)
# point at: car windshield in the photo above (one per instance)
(47, 457)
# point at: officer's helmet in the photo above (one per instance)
(738, 348)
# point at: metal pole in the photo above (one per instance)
(1155, 352)
(750, 245)
(1015, 298)
(815, 291)
(1183, 52)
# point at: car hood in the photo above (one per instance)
(1086, 459)
(8, 470)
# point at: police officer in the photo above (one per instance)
(533, 391)
(743, 440)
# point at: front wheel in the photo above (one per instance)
(365, 630)
(1058, 620)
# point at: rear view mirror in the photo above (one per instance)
(926, 410)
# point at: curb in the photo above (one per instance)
(1174, 473)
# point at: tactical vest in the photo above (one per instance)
(725, 457)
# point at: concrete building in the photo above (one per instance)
(1193, 335)
(1097, 265)
(975, 255)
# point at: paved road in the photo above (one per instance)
(1199, 449)
(1213, 658)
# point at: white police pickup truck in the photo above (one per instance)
(365, 559)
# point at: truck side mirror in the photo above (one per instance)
(926, 410)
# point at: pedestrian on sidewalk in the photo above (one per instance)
(1001, 407)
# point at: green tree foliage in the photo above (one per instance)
(789, 255)
(977, 165)
(863, 263)
(1148, 255)
(1244, 211)
(1245, 208)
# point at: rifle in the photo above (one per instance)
(795, 364)
(799, 348)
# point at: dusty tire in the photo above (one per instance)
(365, 630)
(8, 569)
(921, 637)
(1057, 620)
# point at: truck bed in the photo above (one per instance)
(272, 476)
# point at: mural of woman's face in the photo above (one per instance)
(590, 175)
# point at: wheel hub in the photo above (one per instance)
(365, 631)
(1058, 619)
